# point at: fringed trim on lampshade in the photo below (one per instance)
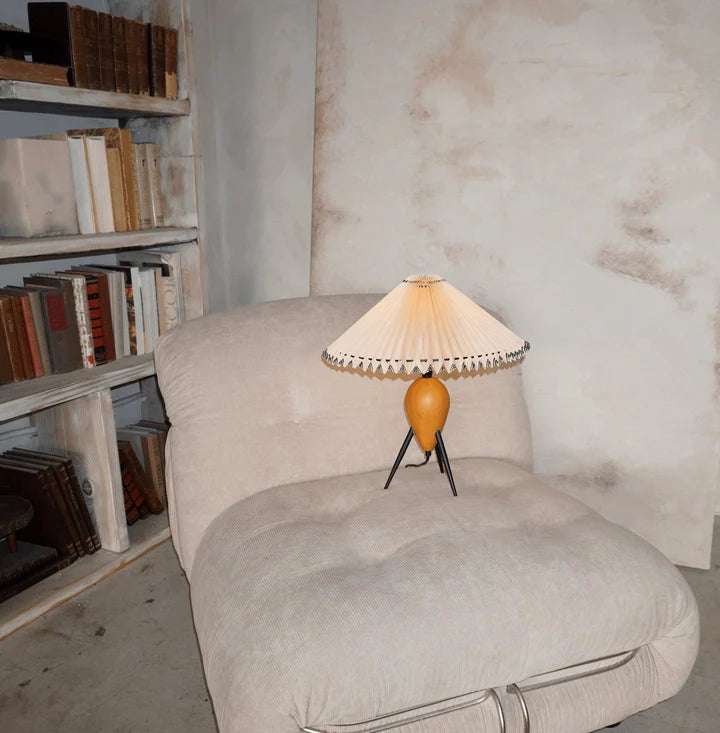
(425, 324)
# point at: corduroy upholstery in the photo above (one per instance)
(321, 600)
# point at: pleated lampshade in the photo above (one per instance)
(425, 324)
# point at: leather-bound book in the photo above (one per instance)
(157, 60)
(171, 63)
(61, 25)
(107, 64)
(47, 474)
(143, 51)
(21, 302)
(137, 481)
(119, 50)
(58, 303)
(6, 372)
(9, 336)
(131, 41)
(39, 323)
(47, 526)
(91, 38)
(105, 306)
(22, 335)
(57, 463)
(21, 70)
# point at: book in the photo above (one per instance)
(26, 333)
(46, 474)
(47, 526)
(156, 56)
(142, 176)
(189, 255)
(172, 301)
(65, 472)
(13, 367)
(58, 303)
(35, 203)
(166, 296)
(134, 304)
(96, 319)
(147, 446)
(99, 182)
(21, 70)
(98, 279)
(171, 63)
(39, 324)
(119, 51)
(118, 308)
(157, 214)
(61, 25)
(131, 42)
(129, 461)
(117, 190)
(143, 50)
(120, 139)
(148, 292)
(82, 313)
(133, 480)
(30, 564)
(81, 185)
(107, 64)
(22, 336)
(91, 40)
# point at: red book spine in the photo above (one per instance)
(93, 295)
(32, 337)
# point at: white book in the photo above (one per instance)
(170, 291)
(97, 164)
(142, 176)
(136, 330)
(81, 185)
(156, 201)
(37, 188)
(150, 307)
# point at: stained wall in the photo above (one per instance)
(558, 162)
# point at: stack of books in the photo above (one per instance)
(141, 449)
(96, 50)
(100, 181)
(88, 315)
(62, 527)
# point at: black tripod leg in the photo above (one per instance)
(439, 459)
(446, 461)
(400, 456)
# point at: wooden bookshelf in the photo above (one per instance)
(27, 96)
(23, 249)
(31, 395)
(73, 413)
(40, 598)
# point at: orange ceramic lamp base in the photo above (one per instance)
(427, 403)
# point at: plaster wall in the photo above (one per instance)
(256, 81)
(558, 162)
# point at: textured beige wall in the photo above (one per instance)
(558, 162)
(256, 81)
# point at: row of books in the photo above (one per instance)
(101, 51)
(89, 315)
(100, 181)
(62, 527)
(141, 449)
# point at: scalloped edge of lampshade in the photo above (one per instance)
(425, 324)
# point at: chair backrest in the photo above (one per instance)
(252, 406)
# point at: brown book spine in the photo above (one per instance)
(131, 41)
(6, 372)
(153, 463)
(131, 512)
(171, 63)
(61, 25)
(91, 38)
(107, 64)
(137, 472)
(157, 60)
(21, 303)
(22, 338)
(127, 156)
(80, 496)
(119, 47)
(8, 332)
(143, 52)
(34, 71)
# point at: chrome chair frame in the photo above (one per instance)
(382, 723)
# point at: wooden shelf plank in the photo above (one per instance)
(18, 248)
(22, 398)
(26, 96)
(60, 587)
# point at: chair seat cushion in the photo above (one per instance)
(331, 602)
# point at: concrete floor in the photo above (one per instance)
(123, 657)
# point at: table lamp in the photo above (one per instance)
(425, 326)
